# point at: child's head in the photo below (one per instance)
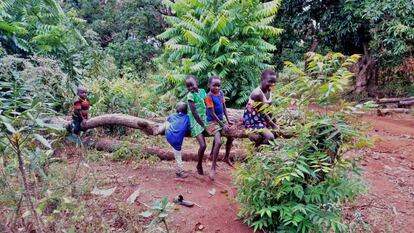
(191, 83)
(82, 92)
(181, 108)
(268, 79)
(214, 84)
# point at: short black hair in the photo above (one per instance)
(190, 76)
(211, 79)
(181, 107)
(81, 88)
(266, 73)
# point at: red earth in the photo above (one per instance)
(387, 206)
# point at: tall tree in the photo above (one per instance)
(380, 30)
(224, 38)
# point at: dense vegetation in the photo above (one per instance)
(133, 56)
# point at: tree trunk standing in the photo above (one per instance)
(365, 71)
(27, 190)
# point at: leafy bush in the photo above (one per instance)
(299, 184)
(40, 78)
(224, 38)
(123, 95)
(32, 27)
(299, 187)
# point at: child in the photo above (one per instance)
(197, 115)
(179, 125)
(254, 118)
(216, 110)
(80, 110)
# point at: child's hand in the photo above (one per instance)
(275, 127)
(226, 128)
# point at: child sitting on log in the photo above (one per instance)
(255, 117)
(216, 111)
(80, 110)
(177, 127)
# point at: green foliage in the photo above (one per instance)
(299, 187)
(38, 26)
(126, 30)
(23, 145)
(123, 95)
(159, 210)
(390, 26)
(224, 38)
(40, 78)
(324, 81)
(299, 184)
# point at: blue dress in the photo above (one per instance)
(178, 128)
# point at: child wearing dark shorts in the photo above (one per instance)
(177, 127)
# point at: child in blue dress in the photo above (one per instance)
(178, 126)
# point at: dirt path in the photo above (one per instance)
(388, 206)
(217, 213)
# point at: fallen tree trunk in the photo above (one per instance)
(154, 127)
(394, 100)
(387, 111)
(406, 102)
(111, 145)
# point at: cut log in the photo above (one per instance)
(394, 100)
(388, 111)
(111, 145)
(406, 102)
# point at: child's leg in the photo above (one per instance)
(202, 142)
(217, 145)
(161, 129)
(229, 144)
(178, 162)
(267, 137)
(210, 157)
(77, 126)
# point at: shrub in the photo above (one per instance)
(224, 38)
(299, 184)
(40, 78)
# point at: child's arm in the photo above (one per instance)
(257, 97)
(77, 108)
(225, 114)
(195, 113)
(210, 108)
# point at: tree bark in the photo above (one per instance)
(395, 100)
(156, 127)
(388, 111)
(111, 145)
(366, 73)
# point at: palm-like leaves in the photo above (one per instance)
(225, 38)
(39, 25)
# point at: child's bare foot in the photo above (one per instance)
(200, 169)
(181, 175)
(227, 160)
(212, 174)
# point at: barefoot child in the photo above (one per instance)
(256, 119)
(197, 115)
(216, 111)
(177, 128)
(80, 111)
